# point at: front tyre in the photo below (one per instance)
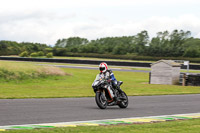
(101, 100)
(124, 102)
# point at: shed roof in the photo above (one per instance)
(169, 62)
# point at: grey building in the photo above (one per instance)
(165, 72)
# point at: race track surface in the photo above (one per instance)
(34, 111)
(96, 68)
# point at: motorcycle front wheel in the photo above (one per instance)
(101, 100)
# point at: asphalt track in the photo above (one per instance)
(34, 111)
(96, 68)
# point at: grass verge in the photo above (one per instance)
(22, 71)
(182, 126)
(111, 67)
(78, 84)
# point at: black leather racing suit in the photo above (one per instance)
(109, 75)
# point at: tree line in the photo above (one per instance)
(177, 43)
(15, 48)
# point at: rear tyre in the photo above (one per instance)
(124, 102)
(101, 100)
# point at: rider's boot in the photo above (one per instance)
(119, 89)
(116, 98)
(121, 95)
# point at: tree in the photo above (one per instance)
(142, 38)
(40, 53)
(192, 52)
(119, 50)
(34, 54)
(166, 44)
(24, 54)
(71, 41)
(49, 55)
(15, 48)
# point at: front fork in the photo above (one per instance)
(102, 91)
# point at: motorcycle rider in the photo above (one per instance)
(109, 76)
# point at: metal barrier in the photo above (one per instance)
(193, 80)
(94, 62)
(189, 79)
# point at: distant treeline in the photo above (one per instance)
(165, 44)
(15, 48)
(177, 43)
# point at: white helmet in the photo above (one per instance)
(103, 67)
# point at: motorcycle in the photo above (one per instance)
(106, 95)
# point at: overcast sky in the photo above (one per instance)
(46, 21)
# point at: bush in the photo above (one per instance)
(34, 54)
(191, 52)
(49, 55)
(24, 54)
(48, 50)
(40, 53)
(59, 51)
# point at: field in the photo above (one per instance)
(182, 126)
(73, 83)
(31, 80)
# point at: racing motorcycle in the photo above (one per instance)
(106, 95)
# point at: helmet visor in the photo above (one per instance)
(102, 68)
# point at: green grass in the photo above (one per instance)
(21, 71)
(78, 84)
(182, 126)
(111, 67)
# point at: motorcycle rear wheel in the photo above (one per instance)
(101, 100)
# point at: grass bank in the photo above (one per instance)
(182, 126)
(22, 71)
